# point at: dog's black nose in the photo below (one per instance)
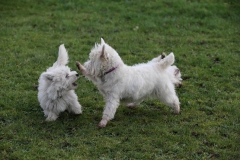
(77, 75)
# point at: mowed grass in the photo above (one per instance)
(204, 36)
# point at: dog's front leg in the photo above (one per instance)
(75, 107)
(109, 111)
(81, 68)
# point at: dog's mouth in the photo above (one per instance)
(74, 84)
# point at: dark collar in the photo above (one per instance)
(110, 70)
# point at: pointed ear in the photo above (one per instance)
(48, 76)
(103, 56)
(102, 41)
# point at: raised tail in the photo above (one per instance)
(62, 56)
(167, 61)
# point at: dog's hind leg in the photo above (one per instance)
(109, 111)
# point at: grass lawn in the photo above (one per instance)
(205, 38)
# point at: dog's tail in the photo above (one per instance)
(167, 61)
(62, 56)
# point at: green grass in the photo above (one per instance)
(203, 34)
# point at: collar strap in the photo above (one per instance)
(110, 70)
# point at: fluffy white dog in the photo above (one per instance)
(117, 81)
(56, 88)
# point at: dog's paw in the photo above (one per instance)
(76, 110)
(102, 124)
(80, 67)
(177, 109)
(131, 105)
(51, 117)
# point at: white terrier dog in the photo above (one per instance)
(56, 88)
(117, 81)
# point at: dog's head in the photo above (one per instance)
(59, 78)
(102, 59)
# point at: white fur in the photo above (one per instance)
(56, 88)
(129, 83)
(172, 71)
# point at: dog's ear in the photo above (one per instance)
(102, 41)
(48, 76)
(103, 55)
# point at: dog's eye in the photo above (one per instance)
(67, 75)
